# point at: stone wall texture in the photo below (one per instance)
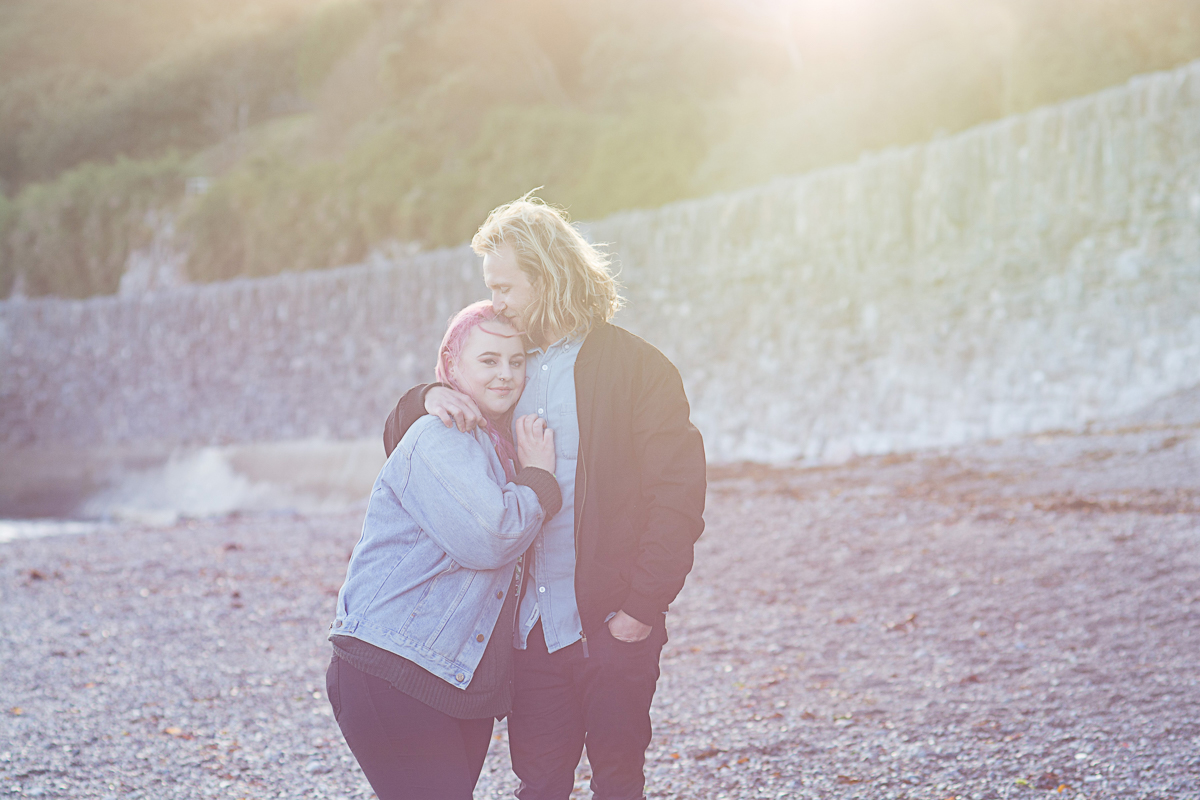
(1037, 273)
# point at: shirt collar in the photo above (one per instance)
(571, 340)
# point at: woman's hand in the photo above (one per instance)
(535, 443)
(453, 408)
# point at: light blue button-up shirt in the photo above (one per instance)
(550, 591)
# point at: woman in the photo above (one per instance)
(423, 635)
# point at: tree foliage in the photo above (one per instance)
(72, 237)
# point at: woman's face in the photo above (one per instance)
(491, 368)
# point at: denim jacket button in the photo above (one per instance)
(338, 623)
(460, 677)
(499, 595)
(479, 637)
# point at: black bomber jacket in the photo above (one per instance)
(639, 510)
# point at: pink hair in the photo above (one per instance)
(460, 327)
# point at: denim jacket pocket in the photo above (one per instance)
(434, 608)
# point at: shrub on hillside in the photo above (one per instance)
(7, 275)
(72, 237)
(26, 100)
(272, 216)
(644, 158)
(212, 91)
(185, 106)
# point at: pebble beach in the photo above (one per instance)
(1001, 620)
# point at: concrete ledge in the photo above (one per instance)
(158, 482)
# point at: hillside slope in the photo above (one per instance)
(325, 129)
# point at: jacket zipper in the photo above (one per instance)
(579, 524)
(582, 461)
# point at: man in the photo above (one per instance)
(600, 576)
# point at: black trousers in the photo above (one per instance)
(566, 700)
(407, 750)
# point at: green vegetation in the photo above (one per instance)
(331, 127)
(71, 237)
(8, 210)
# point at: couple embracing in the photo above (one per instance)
(535, 518)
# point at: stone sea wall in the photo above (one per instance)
(302, 355)
(1037, 273)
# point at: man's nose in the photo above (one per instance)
(497, 303)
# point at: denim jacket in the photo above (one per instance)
(640, 485)
(442, 534)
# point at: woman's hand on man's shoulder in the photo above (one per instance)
(453, 408)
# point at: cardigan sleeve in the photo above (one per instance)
(410, 409)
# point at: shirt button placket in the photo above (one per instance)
(543, 395)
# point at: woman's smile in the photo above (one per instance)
(491, 368)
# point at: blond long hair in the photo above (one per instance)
(574, 287)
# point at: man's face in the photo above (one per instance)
(512, 293)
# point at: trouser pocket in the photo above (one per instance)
(332, 689)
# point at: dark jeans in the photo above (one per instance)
(407, 750)
(564, 701)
